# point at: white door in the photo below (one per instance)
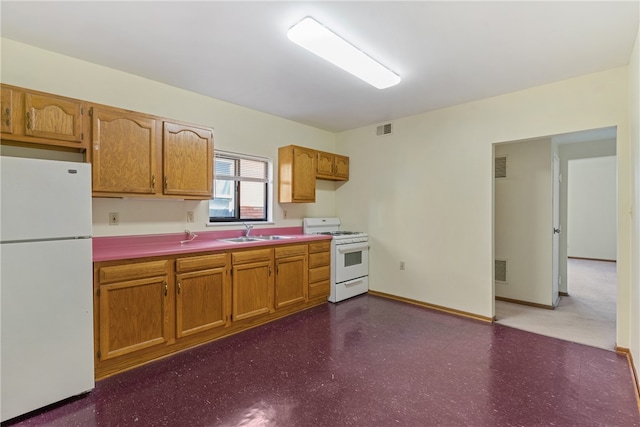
(556, 231)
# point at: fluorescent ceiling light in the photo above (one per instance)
(316, 38)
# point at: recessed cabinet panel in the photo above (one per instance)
(133, 316)
(53, 118)
(325, 165)
(291, 280)
(341, 168)
(201, 301)
(6, 112)
(123, 152)
(187, 160)
(252, 290)
(297, 175)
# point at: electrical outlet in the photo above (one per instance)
(189, 216)
(114, 218)
(401, 265)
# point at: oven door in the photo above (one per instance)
(352, 261)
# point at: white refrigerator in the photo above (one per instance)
(46, 308)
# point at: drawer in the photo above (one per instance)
(132, 271)
(319, 259)
(319, 274)
(319, 289)
(287, 251)
(251, 256)
(320, 246)
(203, 262)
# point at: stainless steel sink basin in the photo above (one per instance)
(271, 237)
(241, 239)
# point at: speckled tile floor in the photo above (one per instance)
(367, 361)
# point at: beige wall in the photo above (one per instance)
(236, 129)
(523, 221)
(634, 210)
(425, 193)
(591, 208)
(567, 152)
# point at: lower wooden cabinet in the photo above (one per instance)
(202, 294)
(252, 283)
(319, 269)
(132, 308)
(291, 275)
(147, 308)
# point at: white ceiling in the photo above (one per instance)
(447, 53)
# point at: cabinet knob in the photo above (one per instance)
(166, 182)
(29, 120)
(166, 289)
(153, 182)
(179, 287)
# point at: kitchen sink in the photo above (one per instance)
(241, 239)
(271, 237)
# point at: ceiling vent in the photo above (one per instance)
(383, 130)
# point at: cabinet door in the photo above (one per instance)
(252, 290)
(291, 280)
(52, 117)
(187, 160)
(7, 107)
(123, 152)
(133, 316)
(324, 167)
(341, 168)
(304, 177)
(201, 301)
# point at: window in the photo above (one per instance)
(241, 188)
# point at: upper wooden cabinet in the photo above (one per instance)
(42, 119)
(6, 105)
(299, 167)
(123, 152)
(187, 160)
(332, 166)
(132, 156)
(296, 174)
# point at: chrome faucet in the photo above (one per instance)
(248, 229)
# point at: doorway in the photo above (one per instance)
(541, 299)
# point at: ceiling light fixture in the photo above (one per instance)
(318, 39)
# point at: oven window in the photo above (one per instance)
(352, 258)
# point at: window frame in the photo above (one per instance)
(268, 199)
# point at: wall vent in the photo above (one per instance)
(500, 167)
(500, 274)
(383, 129)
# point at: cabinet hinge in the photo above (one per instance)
(98, 292)
(91, 112)
(81, 111)
(99, 354)
(82, 135)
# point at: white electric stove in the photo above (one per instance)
(349, 257)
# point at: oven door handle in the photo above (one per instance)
(350, 248)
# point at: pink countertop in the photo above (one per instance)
(128, 247)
